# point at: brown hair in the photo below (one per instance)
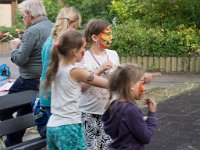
(70, 39)
(122, 77)
(94, 27)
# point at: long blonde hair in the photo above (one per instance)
(66, 16)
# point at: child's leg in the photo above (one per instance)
(50, 137)
(66, 137)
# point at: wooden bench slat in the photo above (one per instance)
(21, 122)
(16, 124)
(33, 145)
(17, 99)
(23, 143)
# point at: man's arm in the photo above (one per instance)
(21, 55)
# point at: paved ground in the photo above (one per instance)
(179, 116)
(179, 123)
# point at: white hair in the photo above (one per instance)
(34, 7)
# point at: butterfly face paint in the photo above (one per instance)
(105, 38)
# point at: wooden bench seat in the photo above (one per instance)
(21, 122)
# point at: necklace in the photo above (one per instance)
(96, 59)
(106, 72)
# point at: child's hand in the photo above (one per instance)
(14, 44)
(20, 33)
(148, 77)
(151, 105)
(105, 66)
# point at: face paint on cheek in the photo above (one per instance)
(140, 89)
(106, 38)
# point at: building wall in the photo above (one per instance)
(5, 13)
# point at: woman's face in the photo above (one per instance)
(105, 38)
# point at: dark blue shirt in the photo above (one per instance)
(125, 124)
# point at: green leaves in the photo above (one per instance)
(92, 9)
(52, 9)
(134, 38)
(157, 27)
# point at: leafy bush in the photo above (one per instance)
(157, 27)
(88, 8)
(19, 21)
(5, 31)
(92, 9)
(52, 9)
(138, 40)
(166, 13)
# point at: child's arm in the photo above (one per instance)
(82, 75)
(85, 86)
(140, 129)
(105, 66)
(149, 76)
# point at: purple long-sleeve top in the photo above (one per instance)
(125, 124)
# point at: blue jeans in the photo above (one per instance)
(42, 127)
(19, 85)
(41, 115)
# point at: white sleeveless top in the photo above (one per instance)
(65, 99)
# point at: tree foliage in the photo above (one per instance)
(167, 13)
(52, 8)
(157, 27)
(92, 9)
(143, 27)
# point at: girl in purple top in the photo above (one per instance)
(123, 120)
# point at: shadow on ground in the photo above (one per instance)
(178, 123)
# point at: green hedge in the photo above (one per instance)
(92, 9)
(143, 27)
(134, 38)
(157, 27)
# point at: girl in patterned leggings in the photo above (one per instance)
(98, 34)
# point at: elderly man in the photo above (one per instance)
(26, 54)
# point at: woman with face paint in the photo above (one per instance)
(123, 120)
(101, 61)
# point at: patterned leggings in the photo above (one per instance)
(96, 138)
(66, 137)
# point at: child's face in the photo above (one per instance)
(105, 38)
(80, 53)
(139, 89)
